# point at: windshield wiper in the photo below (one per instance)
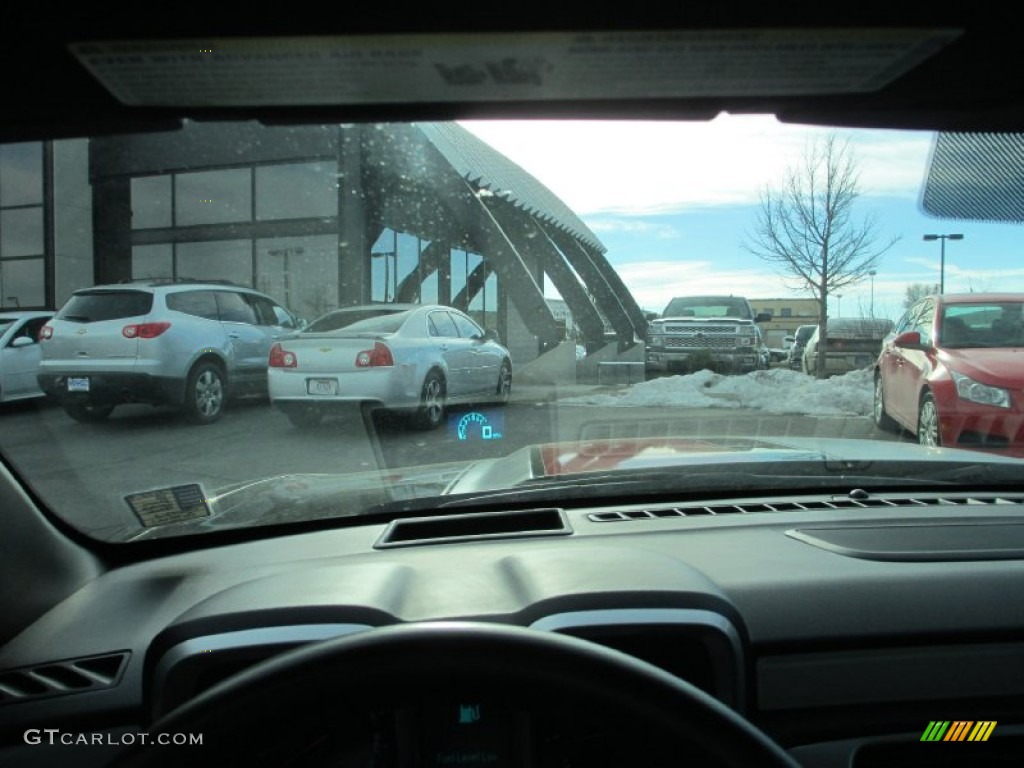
(830, 476)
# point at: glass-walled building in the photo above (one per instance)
(316, 216)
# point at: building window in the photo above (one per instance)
(22, 268)
(299, 272)
(21, 283)
(786, 312)
(151, 202)
(21, 174)
(213, 197)
(216, 260)
(21, 232)
(153, 261)
(297, 191)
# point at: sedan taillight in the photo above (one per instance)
(144, 330)
(281, 358)
(379, 356)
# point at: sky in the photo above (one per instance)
(674, 204)
(777, 390)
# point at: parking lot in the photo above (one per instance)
(92, 466)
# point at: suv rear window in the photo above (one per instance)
(198, 303)
(93, 306)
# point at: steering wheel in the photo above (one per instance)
(381, 695)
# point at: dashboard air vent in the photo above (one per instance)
(60, 678)
(742, 508)
(481, 525)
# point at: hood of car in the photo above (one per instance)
(999, 367)
(296, 498)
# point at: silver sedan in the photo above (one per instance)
(404, 357)
(19, 354)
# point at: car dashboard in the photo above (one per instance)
(842, 626)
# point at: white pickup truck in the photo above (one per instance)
(705, 331)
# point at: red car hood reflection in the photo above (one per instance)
(603, 455)
(1003, 367)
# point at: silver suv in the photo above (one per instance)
(184, 344)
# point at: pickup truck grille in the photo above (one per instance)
(728, 329)
(700, 342)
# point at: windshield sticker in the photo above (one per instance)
(385, 69)
(165, 506)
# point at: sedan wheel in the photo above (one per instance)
(504, 383)
(928, 423)
(882, 419)
(432, 406)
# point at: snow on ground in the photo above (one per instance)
(778, 390)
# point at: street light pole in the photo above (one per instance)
(942, 256)
(872, 274)
(839, 305)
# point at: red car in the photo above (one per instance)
(952, 372)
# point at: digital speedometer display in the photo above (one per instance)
(477, 426)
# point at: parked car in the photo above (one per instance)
(953, 371)
(696, 331)
(184, 344)
(19, 354)
(795, 356)
(853, 343)
(404, 357)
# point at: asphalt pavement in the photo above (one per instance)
(85, 470)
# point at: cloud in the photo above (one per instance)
(636, 167)
(635, 226)
(653, 283)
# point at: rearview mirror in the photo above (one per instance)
(763, 317)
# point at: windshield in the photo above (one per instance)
(988, 324)
(707, 306)
(481, 299)
(804, 332)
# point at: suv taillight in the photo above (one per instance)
(280, 358)
(379, 356)
(144, 330)
(46, 332)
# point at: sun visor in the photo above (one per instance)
(504, 67)
(976, 176)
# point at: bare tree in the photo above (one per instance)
(915, 291)
(806, 227)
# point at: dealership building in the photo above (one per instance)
(317, 217)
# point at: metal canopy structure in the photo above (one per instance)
(520, 208)
(435, 182)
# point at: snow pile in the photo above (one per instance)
(778, 390)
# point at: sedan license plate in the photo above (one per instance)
(322, 386)
(78, 384)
